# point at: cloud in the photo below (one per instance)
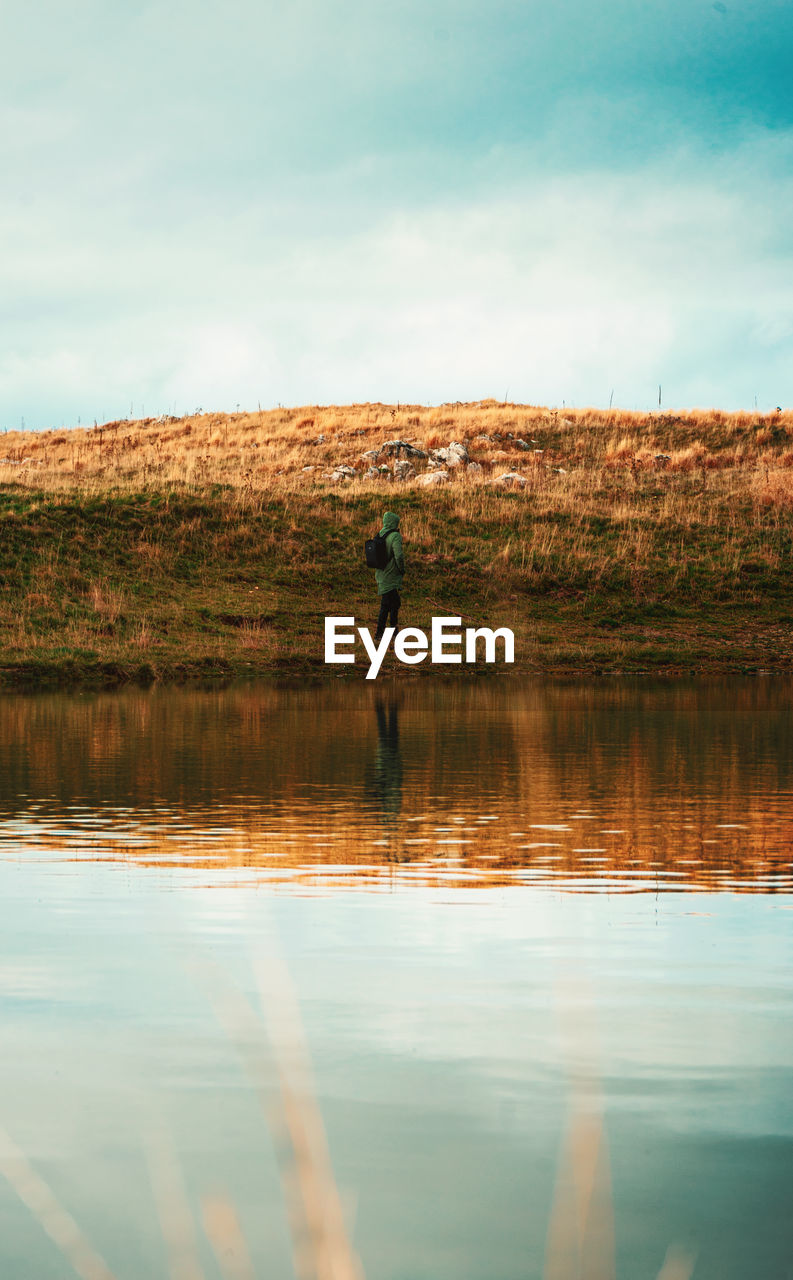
(564, 289)
(312, 203)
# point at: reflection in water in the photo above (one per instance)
(494, 1064)
(384, 776)
(629, 786)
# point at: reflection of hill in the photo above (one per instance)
(685, 784)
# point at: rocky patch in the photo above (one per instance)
(399, 449)
(453, 455)
(509, 480)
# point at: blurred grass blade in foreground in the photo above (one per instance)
(59, 1225)
(320, 1243)
(224, 1233)
(176, 1220)
(581, 1229)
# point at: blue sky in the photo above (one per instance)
(211, 205)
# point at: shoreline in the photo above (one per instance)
(92, 671)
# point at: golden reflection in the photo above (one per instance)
(612, 787)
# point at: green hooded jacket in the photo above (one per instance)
(390, 578)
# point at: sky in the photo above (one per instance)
(208, 205)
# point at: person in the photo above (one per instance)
(389, 579)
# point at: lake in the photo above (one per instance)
(456, 981)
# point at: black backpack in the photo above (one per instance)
(376, 552)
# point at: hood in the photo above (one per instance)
(390, 521)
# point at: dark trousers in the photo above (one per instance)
(389, 608)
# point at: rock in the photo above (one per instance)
(432, 478)
(523, 444)
(342, 473)
(510, 480)
(319, 440)
(404, 470)
(309, 468)
(372, 474)
(371, 454)
(399, 449)
(451, 456)
(474, 468)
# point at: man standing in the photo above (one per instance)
(389, 579)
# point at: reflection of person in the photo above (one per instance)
(389, 579)
(384, 775)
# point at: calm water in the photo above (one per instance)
(463, 981)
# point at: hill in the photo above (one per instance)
(214, 545)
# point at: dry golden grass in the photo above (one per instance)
(113, 538)
(568, 453)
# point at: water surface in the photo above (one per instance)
(538, 941)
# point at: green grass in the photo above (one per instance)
(170, 584)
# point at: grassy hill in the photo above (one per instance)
(203, 547)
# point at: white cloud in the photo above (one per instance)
(678, 274)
